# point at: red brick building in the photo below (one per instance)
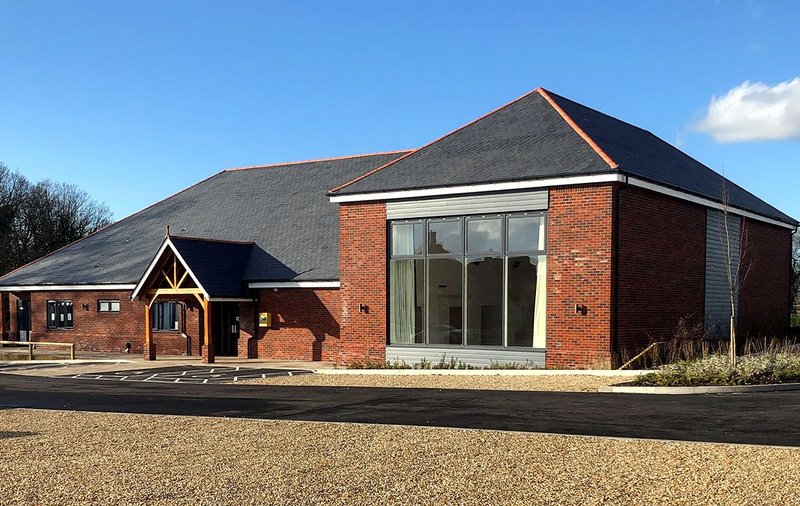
(544, 232)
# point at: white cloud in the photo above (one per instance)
(754, 112)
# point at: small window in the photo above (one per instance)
(164, 315)
(107, 306)
(59, 314)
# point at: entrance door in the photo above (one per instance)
(225, 328)
(24, 319)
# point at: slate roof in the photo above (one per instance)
(282, 209)
(533, 137)
(219, 266)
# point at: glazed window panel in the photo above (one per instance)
(407, 290)
(526, 233)
(484, 236)
(445, 238)
(521, 294)
(445, 301)
(407, 239)
(485, 301)
(164, 316)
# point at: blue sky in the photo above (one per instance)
(134, 101)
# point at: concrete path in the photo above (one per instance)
(762, 418)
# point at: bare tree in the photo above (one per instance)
(795, 272)
(36, 219)
(733, 264)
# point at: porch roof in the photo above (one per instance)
(216, 267)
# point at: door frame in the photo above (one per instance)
(225, 328)
(23, 320)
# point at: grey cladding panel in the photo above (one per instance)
(470, 204)
(717, 300)
(470, 356)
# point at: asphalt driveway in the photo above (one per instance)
(763, 418)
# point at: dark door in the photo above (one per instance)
(24, 319)
(225, 328)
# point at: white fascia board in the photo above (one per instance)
(481, 188)
(552, 182)
(294, 284)
(704, 202)
(66, 288)
(149, 270)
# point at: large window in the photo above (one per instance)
(164, 315)
(468, 281)
(59, 314)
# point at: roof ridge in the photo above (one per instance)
(591, 142)
(316, 160)
(48, 255)
(373, 171)
(226, 241)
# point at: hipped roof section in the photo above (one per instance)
(281, 208)
(542, 135)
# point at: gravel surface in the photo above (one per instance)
(562, 383)
(52, 457)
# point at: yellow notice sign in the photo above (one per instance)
(264, 319)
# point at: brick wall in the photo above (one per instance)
(362, 273)
(104, 332)
(305, 325)
(660, 267)
(764, 303)
(579, 269)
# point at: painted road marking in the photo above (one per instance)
(197, 375)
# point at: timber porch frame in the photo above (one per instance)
(169, 276)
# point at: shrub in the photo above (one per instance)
(760, 369)
(443, 363)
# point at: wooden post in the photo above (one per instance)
(5, 315)
(208, 348)
(149, 345)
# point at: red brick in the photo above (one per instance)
(660, 267)
(362, 274)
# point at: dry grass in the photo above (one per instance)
(560, 383)
(65, 457)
